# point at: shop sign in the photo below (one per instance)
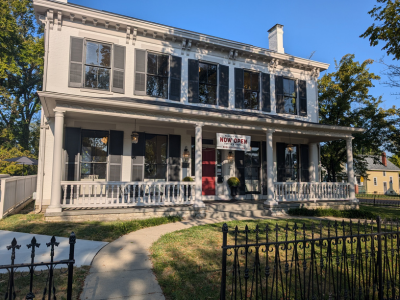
(233, 142)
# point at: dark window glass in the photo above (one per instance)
(98, 63)
(252, 169)
(207, 83)
(290, 96)
(193, 157)
(157, 75)
(251, 90)
(94, 154)
(291, 170)
(156, 157)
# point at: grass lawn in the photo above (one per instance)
(95, 231)
(386, 212)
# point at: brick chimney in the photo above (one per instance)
(384, 161)
(275, 38)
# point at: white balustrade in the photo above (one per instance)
(114, 194)
(300, 191)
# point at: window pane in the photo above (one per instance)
(152, 86)
(105, 55)
(163, 65)
(254, 100)
(86, 170)
(203, 92)
(288, 87)
(212, 94)
(212, 74)
(203, 72)
(162, 87)
(91, 77)
(247, 100)
(151, 149)
(247, 80)
(92, 50)
(162, 149)
(152, 64)
(150, 171)
(161, 172)
(104, 79)
(254, 81)
(290, 105)
(100, 171)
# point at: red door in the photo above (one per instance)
(208, 171)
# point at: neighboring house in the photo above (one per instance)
(382, 176)
(131, 107)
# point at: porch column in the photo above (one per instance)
(55, 205)
(198, 165)
(314, 160)
(350, 170)
(270, 168)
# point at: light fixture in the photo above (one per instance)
(186, 155)
(289, 146)
(135, 136)
(230, 156)
(104, 140)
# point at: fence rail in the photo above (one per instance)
(334, 261)
(385, 202)
(111, 194)
(298, 191)
(14, 191)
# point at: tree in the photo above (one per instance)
(21, 69)
(344, 100)
(395, 159)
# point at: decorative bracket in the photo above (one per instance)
(106, 24)
(183, 45)
(174, 39)
(117, 27)
(128, 34)
(164, 36)
(50, 18)
(273, 64)
(83, 19)
(134, 35)
(95, 22)
(189, 45)
(154, 34)
(315, 73)
(144, 32)
(71, 17)
(59, 20)
(230, 55)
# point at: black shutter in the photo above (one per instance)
(116, 142)
(266, 92)
(140, 72)
(193, 92)
(175, 78)
(239, 170)
(72, 145)
(264, 168)
(305, 163)
(118, 81)
(174, 159)
(303, 98)
(239, 85)
(138, 153)
(223, 86)
(280, 108)
(76, 62)
(116, 146)
(280, 161)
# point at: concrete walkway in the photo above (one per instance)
(84, 250)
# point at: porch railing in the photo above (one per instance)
(112, 194)
(298, 191)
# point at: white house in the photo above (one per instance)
(131, 107)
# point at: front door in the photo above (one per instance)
(385, 187)
(208, 172)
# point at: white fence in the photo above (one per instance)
(15, 191)
(113, 194)
(298, 191)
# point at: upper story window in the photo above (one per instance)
(97, 65)
(375, 181)
(289, 96)
(384, 173)
(251, 90)
(157, 75)
(207, 83)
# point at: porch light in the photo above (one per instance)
(186, 155)
(290, 148)
(230, 156)
(135, 136)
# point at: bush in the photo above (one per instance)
(349, 213)
(187, 178)
(233, 182)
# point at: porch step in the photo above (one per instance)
(239, 206)
(234, 209)
(235, 214)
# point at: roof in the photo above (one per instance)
(374, 163)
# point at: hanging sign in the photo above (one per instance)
(233, 142)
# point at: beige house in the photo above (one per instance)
(382, 177)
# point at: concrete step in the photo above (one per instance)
(235, 206)
(233, 214)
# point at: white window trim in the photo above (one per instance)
(375, 181)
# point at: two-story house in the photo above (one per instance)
(131, 107)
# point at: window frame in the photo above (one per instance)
(391, 179)
(259, 90)
(85, 41)
(169, 73)
(384, 173)
(216, 85)
(375, 181)
(157, 164)
(296, 82)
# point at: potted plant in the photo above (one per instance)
(233, 183)
(187, 178)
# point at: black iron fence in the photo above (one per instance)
(381, 201)
(334, 260)
(29, 270)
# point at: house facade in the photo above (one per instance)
(130, 108)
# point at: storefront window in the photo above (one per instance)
(155, 166)
(94, 154)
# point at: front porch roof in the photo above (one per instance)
(187, 114)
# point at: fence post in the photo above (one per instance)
(374, 199)
(224, 251)
(72, 241)
(379, 258)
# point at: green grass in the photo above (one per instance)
(365, 212)
(95, 231)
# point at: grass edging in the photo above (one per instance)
(329, 212)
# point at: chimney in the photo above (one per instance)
(275, 38)
(384, 161)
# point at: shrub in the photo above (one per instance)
(233, 181)
(348, 213)
(187, 178)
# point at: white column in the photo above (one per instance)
(314, 160)
(350, 170)
(126, 156)
(198, 166)
(55, 205)
(270, 167)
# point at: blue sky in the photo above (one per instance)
(330, 28)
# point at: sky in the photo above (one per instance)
(330, 28)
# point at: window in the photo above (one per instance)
(390, 179)
(155, 166)
(384, 173)
(289, 170)
(207, 83)
(289, 96)
(94, 154)
(97, 66)
(157, 75)
(375, 181)
(251, 90)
